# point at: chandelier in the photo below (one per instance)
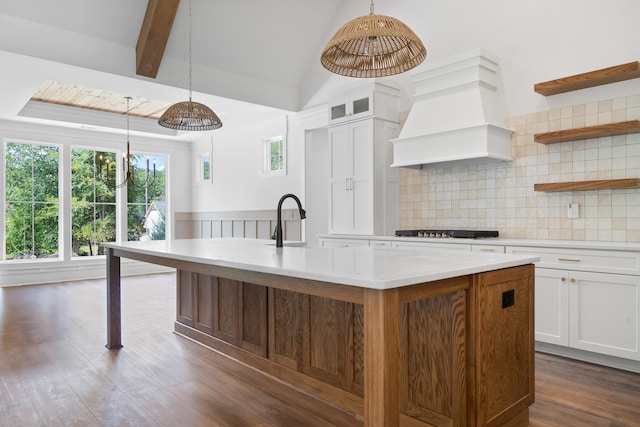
(189, 115)
(373, 46)
(129, 165)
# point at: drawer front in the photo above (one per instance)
(490, 249)
(384, 243)
(449, 247)
(342, 243)
(585, 260)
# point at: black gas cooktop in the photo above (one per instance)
(460, 234)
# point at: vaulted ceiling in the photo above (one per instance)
(257, 56)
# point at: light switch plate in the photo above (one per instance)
(573, 211)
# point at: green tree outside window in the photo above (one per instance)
(31, 201)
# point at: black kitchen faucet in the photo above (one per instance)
(278, 231)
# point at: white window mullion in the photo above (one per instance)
(64, 203)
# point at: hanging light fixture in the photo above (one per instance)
(373, 46)
(190, 115)
(129, 165)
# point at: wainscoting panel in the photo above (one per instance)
(248, 224)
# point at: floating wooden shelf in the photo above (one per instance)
(589, 185)
(622, 128)
(590, 79)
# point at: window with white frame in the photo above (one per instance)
(274, 156)
(32, 205)
(146, 198)
(93, 200)
(34, 201)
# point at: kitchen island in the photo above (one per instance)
(394, 336)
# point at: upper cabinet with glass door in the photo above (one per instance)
(373, 99)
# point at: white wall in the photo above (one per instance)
(238, 184)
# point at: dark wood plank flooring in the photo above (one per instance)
(55, 371)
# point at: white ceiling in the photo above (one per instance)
(253, 58)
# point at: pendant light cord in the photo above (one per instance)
(371, 7)
(190, 66)
(128, 98)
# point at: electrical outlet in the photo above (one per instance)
(573, 211)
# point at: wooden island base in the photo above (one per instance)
(454, 352)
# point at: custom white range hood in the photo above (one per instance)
(457, 114)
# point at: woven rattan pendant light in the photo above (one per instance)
(190, 115)
(373, 46)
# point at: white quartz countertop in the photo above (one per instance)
(363, 266)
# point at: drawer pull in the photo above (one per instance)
(564, 279)
(573, 280)
(487, 250)
(569, 259)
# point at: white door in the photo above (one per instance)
(340, 172)
(361, 136)
(351, 178)
(604, 313)
(552, 306)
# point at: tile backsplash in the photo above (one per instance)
(500, 195)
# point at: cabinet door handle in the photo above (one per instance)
(569, 259)
(564, 279)
(487, 250)
(348, 184)
(573, 280)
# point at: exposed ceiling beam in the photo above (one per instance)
(154, 35)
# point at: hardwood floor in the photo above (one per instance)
(55, 371)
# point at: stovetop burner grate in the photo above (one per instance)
(460, 234)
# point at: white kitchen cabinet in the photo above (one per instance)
(488, 249)
(342, 243)
(581, 302)
(440, 247)
(604, 310)
(552, 306)
(352, 107)
(380, 243)
(363, 189)
(374, 99)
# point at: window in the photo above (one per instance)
(34, 202)
(93, 201)
(31, 201)
(146, 200)
(274, 156)
(204, 168)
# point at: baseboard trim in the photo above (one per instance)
(587, 356)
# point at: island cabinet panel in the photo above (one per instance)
(203, 303)
(285, 327)
(333, 343)
(184, 308)
(254, 318)
(320, 337)
(232, 311)
(226, 308)
(504, 344)
(433, 374)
